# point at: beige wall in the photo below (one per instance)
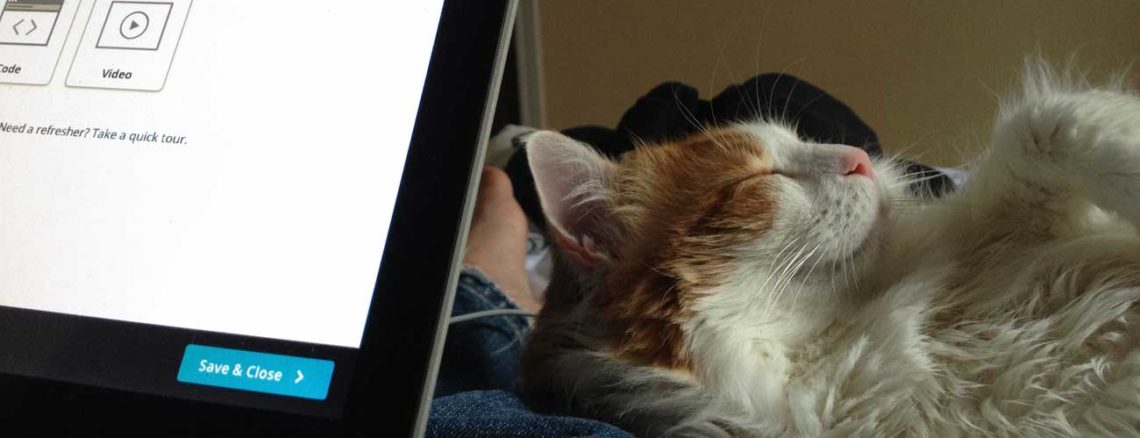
(923, 73)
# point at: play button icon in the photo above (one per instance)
(134, 25)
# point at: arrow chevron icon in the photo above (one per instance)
(16, 27)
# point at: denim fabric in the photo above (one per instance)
(483, 353)
(478, 414)
(481, 366)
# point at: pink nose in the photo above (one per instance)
(856, 162)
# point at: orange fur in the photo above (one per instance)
(685, 202)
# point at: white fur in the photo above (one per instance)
(1005, 309)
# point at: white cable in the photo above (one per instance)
(490, 313)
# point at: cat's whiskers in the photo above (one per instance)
(654, 269)
(756, 59)
(850, 247)
(847, 275)
(791, 275)
(763, 298)
(899, 154)
(803, 283)
(692, 119)
(787, 275)
(780, 76)
(801, 111)
(776, 263)
(924, 176)
(688, 114)
(913, 207)
(788, 101)
(768, 287)
(837, 260)
(731, 73)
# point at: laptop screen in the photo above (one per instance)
(219, 173)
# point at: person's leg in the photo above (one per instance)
(496, 244)
(482, 353)
(480, 362)
(500, 414)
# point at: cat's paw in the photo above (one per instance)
(1042, 128)
(1062, 144)
(1073, 128)
(1088, 140)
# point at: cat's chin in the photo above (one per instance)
(873, 236)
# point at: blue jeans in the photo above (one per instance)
(474, 392)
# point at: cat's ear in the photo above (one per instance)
(574, 184)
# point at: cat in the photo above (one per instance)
(748, 282)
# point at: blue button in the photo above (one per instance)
(258, 372)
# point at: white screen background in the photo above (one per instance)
(270, 222)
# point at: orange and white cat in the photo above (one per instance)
(748, 282)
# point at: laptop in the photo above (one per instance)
(235, 217)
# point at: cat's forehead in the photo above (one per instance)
(690, 200)
(714, 152)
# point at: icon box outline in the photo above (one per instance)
(111, 9)
(76, 80)
(51, 32)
